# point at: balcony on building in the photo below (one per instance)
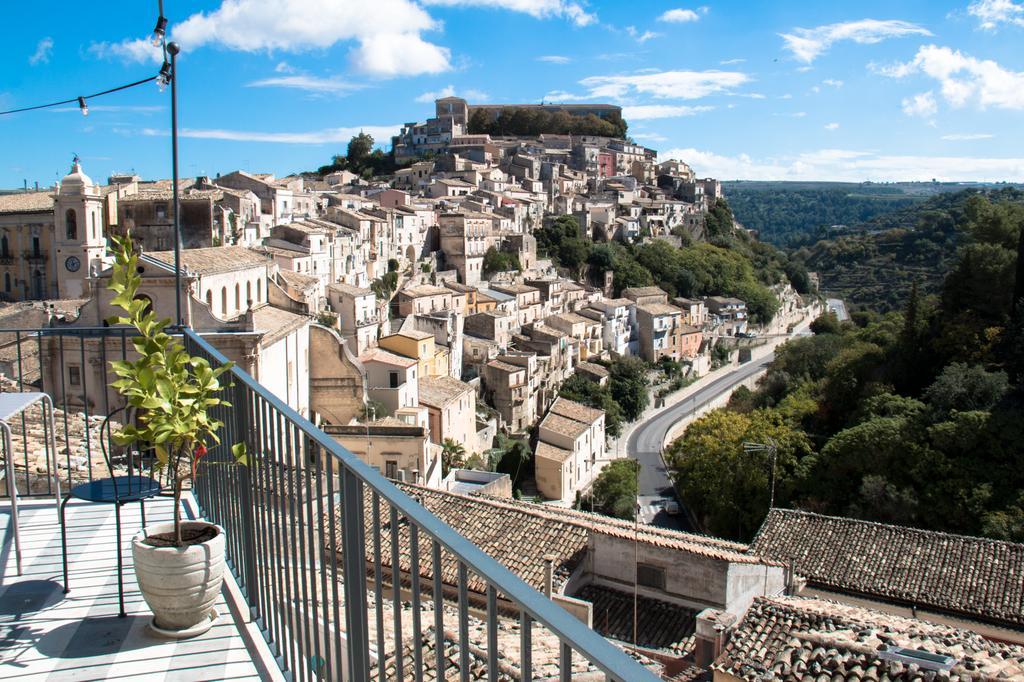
(312, 536)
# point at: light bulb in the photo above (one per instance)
(161, 83)
(160, 31)
(83, 106)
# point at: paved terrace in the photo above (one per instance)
(46, 635)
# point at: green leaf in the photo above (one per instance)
(241, 453)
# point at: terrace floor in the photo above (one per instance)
(46, 635)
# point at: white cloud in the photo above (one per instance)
(964, 79)
(284, 67)
(807, 44)
(922, 104)
(991, 13)
(539, 9)
(727, 62)
(665, 84)
(832, 126)
(967, 136)
(850, 166)
(334, 86)
(381, 134)
(832, 82)
(554, 59)
(679, 16)
(795, 114)
(42, 54)
(645, 112)
(449, 91)
(137, 50)
(640, 37)
(786, 96)
(390, 55)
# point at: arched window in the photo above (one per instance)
(7, 280)
(209, 299)
(259, 290)
(71, 223)
(224, 300)
(92, 219)
(248, 292)
(238, 297)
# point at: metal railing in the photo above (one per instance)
(327, 550)
(341, 569)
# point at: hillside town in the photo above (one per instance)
(413, 318)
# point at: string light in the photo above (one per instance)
(164, 77)
(160, 31)
(83, 106)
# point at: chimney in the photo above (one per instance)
(549, 575)
(711, 636)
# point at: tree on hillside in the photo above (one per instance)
(727, 488)
(500, 261)
(453, 456)
(359, 148)
(615, 489)
(826, 323)
(628, 385)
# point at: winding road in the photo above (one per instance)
(646, 441)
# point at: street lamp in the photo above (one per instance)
(172, 76)
(772, 449)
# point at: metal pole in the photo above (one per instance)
(172, 50)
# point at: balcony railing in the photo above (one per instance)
(347, 576)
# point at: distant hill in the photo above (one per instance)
(874, 264)
(801, 213)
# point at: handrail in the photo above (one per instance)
(590, 645)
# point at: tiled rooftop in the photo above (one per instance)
(440, 391)
(563, 425)
(47, 635)
(387, 357)
(792, 638)
(660, 625)
(26, 202)
(349, 289)
(552, 452)
(593, 369)
(214, 259)
(576, 411)
(659, 309)
(975, 577)
(424, 290)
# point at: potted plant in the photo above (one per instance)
(179, 565)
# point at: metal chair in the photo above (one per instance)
(115, 490)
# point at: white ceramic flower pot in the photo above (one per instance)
(180, 584)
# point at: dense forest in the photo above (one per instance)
(532, 122)
(914, 417)
(796, 217)
(876, 268)
(730, 263)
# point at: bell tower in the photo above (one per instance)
(79, 241)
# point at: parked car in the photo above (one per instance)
(672, 508)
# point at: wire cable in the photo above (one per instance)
(75, 100)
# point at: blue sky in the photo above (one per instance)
(781, 90)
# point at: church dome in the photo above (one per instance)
(75, 182)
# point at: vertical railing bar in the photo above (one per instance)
(312, 620)
(83, 377)
(296, 594)
(396, 594)
(64, 400)
(354, 554)
(321, 555)
(265, 543)
(50, 476)
(492, 633)
(284, 596)
(463, 623)
(435, 551)
(337, 666)
(525, 646)
(24, 423)
(414, 572)
(103, 364)
(378, 587)
(565, 662)
(299, 549)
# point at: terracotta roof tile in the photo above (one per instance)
(975, 577)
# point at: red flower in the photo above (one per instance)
(200, 450)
